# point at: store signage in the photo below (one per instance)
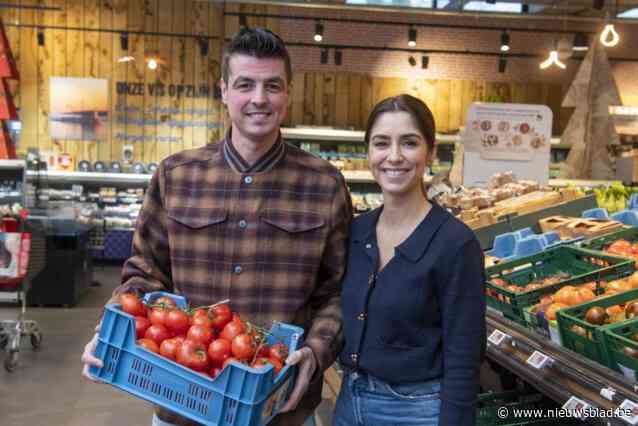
(173, 90)
(503, 137)
(576, 404)
(629, 412)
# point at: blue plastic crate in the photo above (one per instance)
(238, 396)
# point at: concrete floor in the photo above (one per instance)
(47, 388)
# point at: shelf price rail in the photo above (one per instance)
(558, 372)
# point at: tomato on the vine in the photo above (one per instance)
(177, 321)
(141, 324)
(243, 347)
(220, 315)
(193, 355)
(260, 362)
(157, 333)
(219, 351)
(201, 334)
(158, 316)
(233, 329)
(169, 348)
(148, 344)
(131, 304)
(277, 364)
(279, 351)
(165, 301)
(201, 319)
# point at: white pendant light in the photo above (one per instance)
(552, 59)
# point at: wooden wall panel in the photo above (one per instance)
(342, 100)
(10, 17)
(106, 63)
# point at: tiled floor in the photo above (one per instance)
(47, 388)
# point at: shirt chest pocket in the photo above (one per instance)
(294, 235)
(194, 230)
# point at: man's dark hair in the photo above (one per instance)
(259, 43)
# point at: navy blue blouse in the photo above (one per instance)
(422, 316)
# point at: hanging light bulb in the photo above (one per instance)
(552, 59)
(412, 37)
(152, 64)
(609, 37)
(318, 32)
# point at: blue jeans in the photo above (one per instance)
(365, 400)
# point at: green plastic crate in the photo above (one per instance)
(601, 243)
(488, 413)
(591, 343)
(582, 266)
(615, 338)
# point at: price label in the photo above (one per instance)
(496, 337)
(538, 360)
(628, 411)
(576, 404)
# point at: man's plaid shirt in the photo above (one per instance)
(271, 237)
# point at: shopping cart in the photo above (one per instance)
(14, 287)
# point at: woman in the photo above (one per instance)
(413, 294)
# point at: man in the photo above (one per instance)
(250, 219)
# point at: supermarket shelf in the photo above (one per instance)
(569, 374)
(318, 134)
(54, 176)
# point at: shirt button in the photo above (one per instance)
(243, 223)
(237, 269)
(248, 179)
(371, 279)
(368, 246)
(361, 316)
(354, 357)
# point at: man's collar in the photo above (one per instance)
(265, 163)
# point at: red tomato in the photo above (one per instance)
(220, 315)
(260, 362)
(243, 347)
(201, 334)
(166, 301)
(219, 351)
(233, 329)
(131, 304)
(180, 337)
(158, 316)
(278, 365)
(201, 319)
(157, 333)
(169, 348)
(263, 350)
(279, 351)
(193, 355)
(177, 321)
(141, 324)
(149, 345)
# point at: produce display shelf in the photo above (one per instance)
(565, 375)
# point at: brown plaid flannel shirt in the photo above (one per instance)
(272, 240)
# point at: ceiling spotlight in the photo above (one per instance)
(505, 42)
(412, 37)
(318, 32)
(324, 56)
(412, 61)
(425, 61)
(338, 57)
(203, 46)
(40, 37)
(552, 59)
(525, 8)
(581, 43)
(502, 64)
(152, 64)
(609, 37)
(598, 4)
(124, 41)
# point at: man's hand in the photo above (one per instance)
(89, 359)
(307, 366)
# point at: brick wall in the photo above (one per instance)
(395, 64)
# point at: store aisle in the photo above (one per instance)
(47, 388)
